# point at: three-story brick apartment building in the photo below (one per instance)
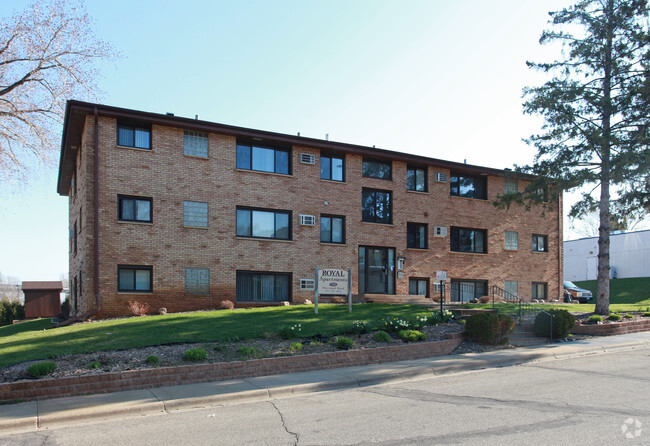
(181, 213)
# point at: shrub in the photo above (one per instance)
(628, 316)
(489, 328)
(412, 335)
(41, 368)
(195, 354)
(11, 310)
(152, 359)
(393, 325)
(226, 305)
(343, 343)
(290, 332)
(360, 327)
(94, 365)
(65, 309)
(296, 347)
(138, 308)
(646, 314)
(595, 318)
(382, 336)
(248, 352)
(484, 300)
(563, 322)
(614, 317)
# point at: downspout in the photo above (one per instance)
(96, 213)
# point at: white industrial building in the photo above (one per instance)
(629, 256)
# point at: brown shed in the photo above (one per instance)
(42, 299)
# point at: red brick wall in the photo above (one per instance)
(169, 177)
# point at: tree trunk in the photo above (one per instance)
(602, 298)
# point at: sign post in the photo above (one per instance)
(316, 292)
(442, 277)
(350, 290)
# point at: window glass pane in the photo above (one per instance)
(382, 207)
(243, 223)
(453, 185)
(127, 209)
(281, 162)
(422, 287)
(466, 240)
(413, 286)
(195, 214)
(325, 229)
(377, 169)
(512, 288)
(125, 136)
(142, 138)
(263, 224)
(510, 186)
(325, 168)
(479, 241)
(420, 180)
(263, 159)
(512, 240)
(142, 280)
(337, 169)
(368, 205)
(282, 226)
(281, 287)
(195, 144)
(410, 179)
(244, 157)
(126, 279)
(540, 244)
(466, 186)
(337, 230)
(197, 281)
(143, 210)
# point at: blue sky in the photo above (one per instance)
(436, 78)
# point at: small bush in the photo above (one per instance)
(152, 359)
(94, 365)
(226, 305)
(360, 327)
(484, 300)
(290, 332)
(436, 318)
(614, 317)
(138, 308)
(382, 336)
(595, 318)
(393, 325)
(295, 347)
(343, 343)
(41, 368)
(412, 335)
(563, 322)
(646, 314)
(628, 316)
(11, 310)
(248, 352)
(489, 328)
(195, 354)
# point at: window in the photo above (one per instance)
(539, 243)
(377, 206)
(538, 290)
(135, 279)
(466, 290)
(263, 159)
(332, 167)
(195, 144)
(133, 209)
(137, 136)
(468, 186)
(416, 235)
(263, 223)
(510, 186)
(512, 289)
(197, 281)
(263, 287)
(373, 168)
(416, 178)
(332, 229)
(512, 240)
(195, 214)
(74, 238)
(468, 240)
(419, 286)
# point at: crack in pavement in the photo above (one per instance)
(284, 425)
(539, 406)
(590, 372)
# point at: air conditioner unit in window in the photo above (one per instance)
(307, 158)
(440, 231)
(307, 220)
(307, 284)
(441, 177)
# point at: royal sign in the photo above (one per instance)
(333, 281)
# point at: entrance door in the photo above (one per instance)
(376, 270)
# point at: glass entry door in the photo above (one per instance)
(376, 270)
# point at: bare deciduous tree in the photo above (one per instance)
(48, 54)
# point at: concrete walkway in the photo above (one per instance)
(35, 415)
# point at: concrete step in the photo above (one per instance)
(524, 335)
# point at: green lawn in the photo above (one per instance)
(34, 340)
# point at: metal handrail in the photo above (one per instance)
(522, 304)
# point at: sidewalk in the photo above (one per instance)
(35, 415)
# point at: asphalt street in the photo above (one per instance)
(592, 399)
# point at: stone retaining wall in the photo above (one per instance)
(40, 389)
(612, 329)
